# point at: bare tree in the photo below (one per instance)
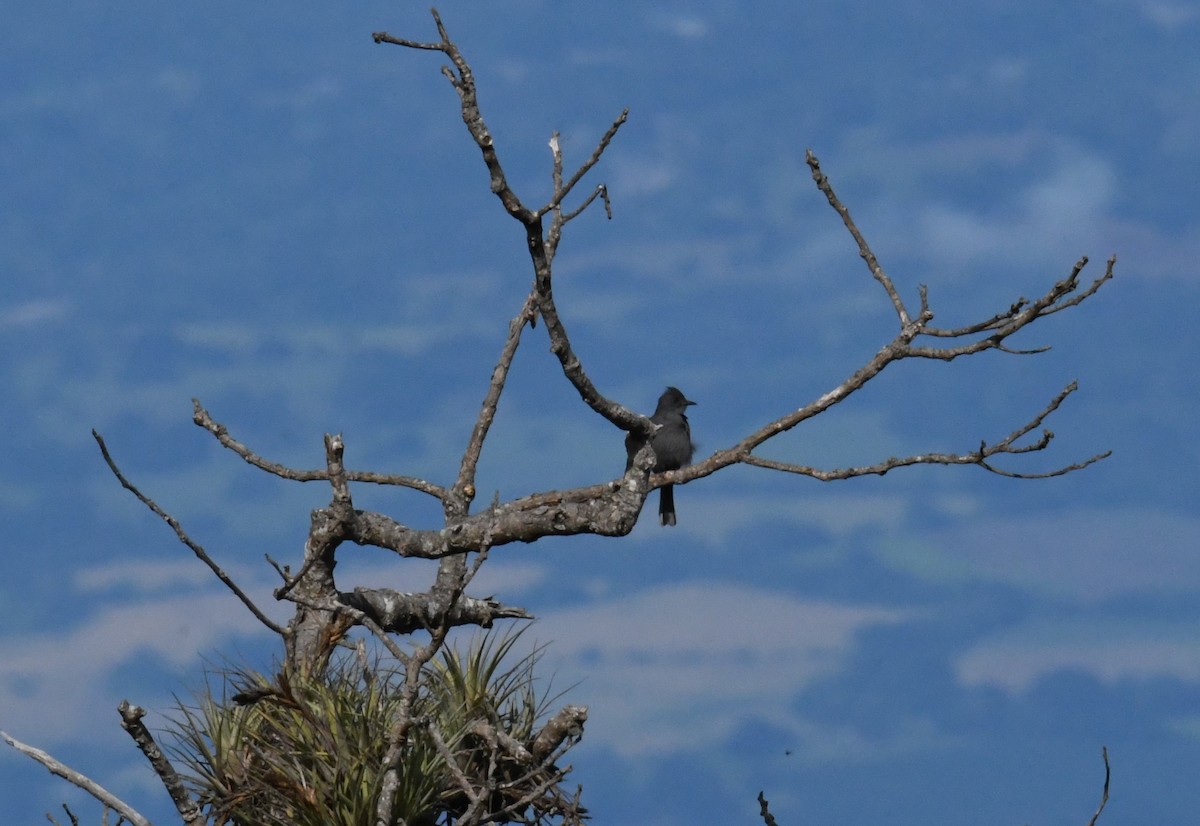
(517, 779)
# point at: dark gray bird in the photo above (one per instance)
(672, 445)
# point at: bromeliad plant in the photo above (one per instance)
(308, 749)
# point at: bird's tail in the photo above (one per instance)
(666, 504)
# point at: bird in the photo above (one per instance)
(672, 443)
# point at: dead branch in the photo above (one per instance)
(561, 190)
(77, 779)
(1104, 796)
(463, 81)
(764, 811)
(131, 721)
(541, 254)
(324, 614)
(864, 249)
(195, 547)
(979, 457)
(398, 736)
(559, 219)
(404, 613)
(465, 485)
(567, 723)
(202, 419)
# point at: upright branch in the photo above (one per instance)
(464, 487)
(1104, 793)
(540, 251)
(461, 78)
(185, 804)
(864, 249)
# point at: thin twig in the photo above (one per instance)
(202, 419)
(561, 192)
(1004, 325)
(402, 724)
(979, 457)
(451, 762)
(195, 547)
(465, 484)
(1103, 797)
(864, 249)
(541, 253)
(1086, 293)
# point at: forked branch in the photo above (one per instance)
(540, 250)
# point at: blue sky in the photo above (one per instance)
(255, 205)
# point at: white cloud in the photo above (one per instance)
(1109, 651)
(1081, 556)
(819, 744)
(407, 338)
(34, 313)
(1063, 208)
(56, 681)
(1167, 14)
(142, 575)
(680, 667)
(682, 26)
(1048, 198)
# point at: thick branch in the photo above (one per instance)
(608, 509)
(131, 721)
(403, 613)
(82, 781)
(567, 723)
(313, 632)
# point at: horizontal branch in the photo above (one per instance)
(979, 457)
(403, 613)
(1020, 315)
(202, 418)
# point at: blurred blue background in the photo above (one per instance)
(255, 205)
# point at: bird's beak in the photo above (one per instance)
(687, 402)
